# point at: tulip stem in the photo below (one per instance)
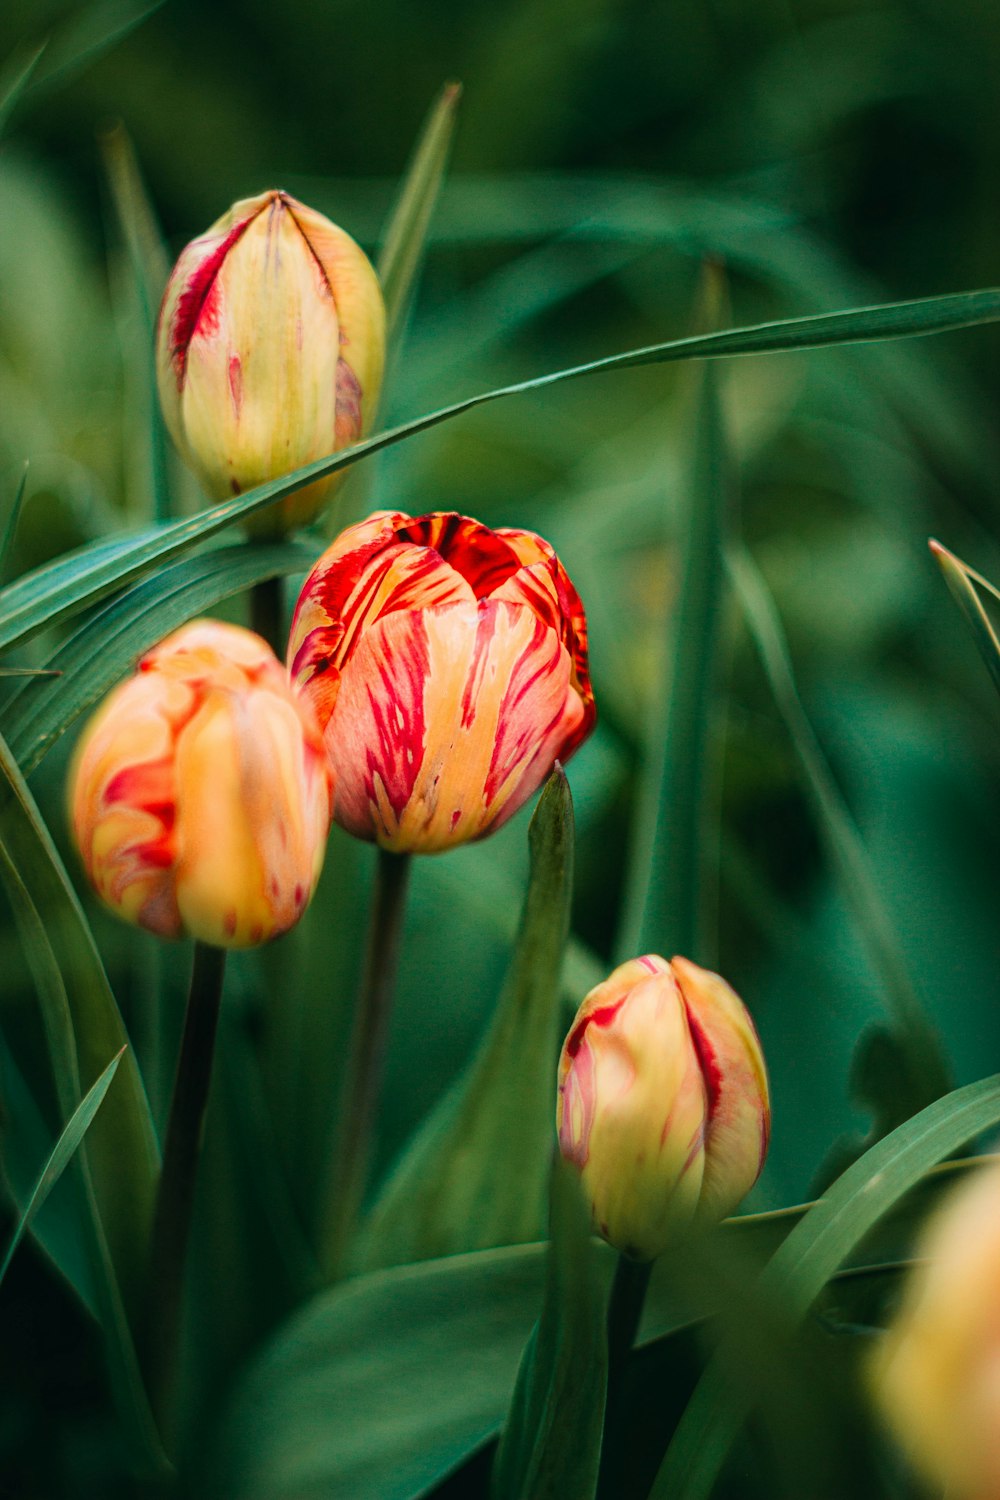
(628, 1295)
(175, 1198)
(267, 613)
(345, 1183)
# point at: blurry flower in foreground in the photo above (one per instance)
(937, 1372)
(270, 349)
(663, 1102)
(200, 792)
(448, 667)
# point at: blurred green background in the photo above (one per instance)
(827, 154)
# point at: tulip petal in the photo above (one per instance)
(446, 721)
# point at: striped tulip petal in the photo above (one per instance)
(447, 666)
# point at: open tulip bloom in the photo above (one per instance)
(447, 665)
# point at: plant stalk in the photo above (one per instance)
(267, 613)
(345, 1180)
(175, 1198)
(628, 1294)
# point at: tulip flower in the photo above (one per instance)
(270, 348)
(937, 1372)
(663, 1102)
(447, 664)
(200, 792)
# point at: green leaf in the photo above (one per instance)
(62, 1153)
(962, 581)
(84, 1025)
(62, 589)
(10, 525)
(405, 234)
(808, 1259)
(927, 1066)
(662, 910)
(87, 34)
(17, 75)
(551, 1442)
(476, 1173)
(108, 645)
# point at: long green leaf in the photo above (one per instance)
(40, 605)
(15, 79)
(927, 1066)
(662, 912)
(107, 646)
(961, 580)
(476, 1173)
(11, 522)
(59, 1158)
(405, 233)
(808, 1259)
(551, 1442)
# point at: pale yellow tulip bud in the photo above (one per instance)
(663, 1102)
(270, 349)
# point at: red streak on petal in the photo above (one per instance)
(602, 1016)
(191, 304)
(236, 383)
(707, 1060)
(229, 923)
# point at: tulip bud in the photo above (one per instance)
(663, 1102)
(270, 348)
(200, 792)
(937, 1372)
(447, 664)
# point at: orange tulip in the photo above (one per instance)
(447, 664)
(200, 792)
(270, 348)
(663, 1102)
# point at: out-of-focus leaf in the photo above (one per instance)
(59, 1158)
(15, 79)
(807, 1260)
(551, 1442)
(476, 1173)
(93, 30)
(662, 912)
(81, 583)
(122, 1150)
(405, 233)
(961, 580)
(10, 524)
(926, 1063)
(111, 641)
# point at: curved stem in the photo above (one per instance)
(175, 1198)
(345, 1181)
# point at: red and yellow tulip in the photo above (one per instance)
(200, 792)
(270, 348)
(663, 1102)
(447, 664)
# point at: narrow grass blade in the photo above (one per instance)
(112, 640)
(405, 233)
(808, 1259)
(921, 1044)
(38, 605)
(84, 1027)
(476, 1174)
(62, 1153)
(11, 523)
(662, 912)
(551, 1442)
(962, 581)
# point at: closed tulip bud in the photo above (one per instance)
(270, 348)
(448, 667)
(936, 1375)
(663, 1102)
(200, 792)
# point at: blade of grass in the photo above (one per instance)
(405, 233)
(808, 1259)
(962, 581)
(59, 1158)
(916, 1033)
(45, 606)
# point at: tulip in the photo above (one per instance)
(663, 1104)
(270, 348)
(937, 1372)
(200, 792)
(447, 664)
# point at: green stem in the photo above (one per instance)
(175, 1199)
(348, 1171)
(628, 1294)
(267, 613)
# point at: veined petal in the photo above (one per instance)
(446, 721)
